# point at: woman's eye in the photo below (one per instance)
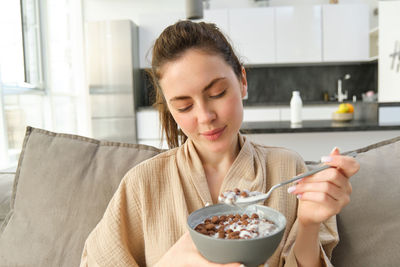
(219, 95)
(184, 109)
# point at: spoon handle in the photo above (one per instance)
(263, 197)
(298, 177)
(323, 167)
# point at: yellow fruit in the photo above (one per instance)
(343, 108)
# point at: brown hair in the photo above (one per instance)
(170, 45)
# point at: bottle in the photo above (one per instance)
(295, 108)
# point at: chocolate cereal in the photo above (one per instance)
(236, 226)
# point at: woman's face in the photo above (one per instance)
(205, 98)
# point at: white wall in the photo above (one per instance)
(95, 10)
(389, 37)
(130, 9)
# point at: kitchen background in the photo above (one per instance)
(84, 61)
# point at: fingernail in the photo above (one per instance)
(242, 265)
(299, 196)
(326, 159)
(291, 189)
(335, 148)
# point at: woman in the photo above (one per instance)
(200, 85)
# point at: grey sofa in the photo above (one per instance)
(64, 182)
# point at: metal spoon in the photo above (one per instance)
(262, 197)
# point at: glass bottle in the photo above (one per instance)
(295, 108)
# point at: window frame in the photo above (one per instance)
(28, 85)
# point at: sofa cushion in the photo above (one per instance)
(369, 225)
(62, 186)
(6, 182)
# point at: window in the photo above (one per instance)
(42, 71)
(21, 74)
(20, 49)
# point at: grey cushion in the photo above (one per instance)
(6, 182)
(369, 227)
(62, 187)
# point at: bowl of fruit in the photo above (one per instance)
(344, 113)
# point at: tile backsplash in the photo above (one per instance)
(274, 84)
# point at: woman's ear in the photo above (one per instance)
(243, 83)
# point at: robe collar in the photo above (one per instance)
(246, 172)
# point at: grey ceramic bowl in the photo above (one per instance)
(250, 252)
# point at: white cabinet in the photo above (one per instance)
(285, 34)
(252, 31)
(298, 34)
(219, 17)
(261, 114)
(150, 27)
(345, 32)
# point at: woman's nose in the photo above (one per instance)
(206, 115)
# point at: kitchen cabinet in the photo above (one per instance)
(219, 17)
(345, 30)
(252, 31)
(284, 34)
(261, 114)
(298, 34)
(150, 27)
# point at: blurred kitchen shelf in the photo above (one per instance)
(374, 58)
(373, 42)
(374, 32)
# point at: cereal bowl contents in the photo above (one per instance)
(220, 238)
(236, 226)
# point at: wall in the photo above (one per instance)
(389, 52)
(95, 10)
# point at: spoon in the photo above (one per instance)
(262, 197)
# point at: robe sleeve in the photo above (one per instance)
(117, 240)
(328, 237)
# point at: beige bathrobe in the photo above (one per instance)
(148, 213)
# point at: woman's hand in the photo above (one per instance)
(324, 194)
(185, 253)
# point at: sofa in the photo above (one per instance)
(63, 183)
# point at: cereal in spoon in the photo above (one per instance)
(231, 196)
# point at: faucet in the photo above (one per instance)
(340, 95)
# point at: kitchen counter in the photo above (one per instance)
(310, 126)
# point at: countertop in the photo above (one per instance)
(309, 126)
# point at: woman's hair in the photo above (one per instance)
(170, 46)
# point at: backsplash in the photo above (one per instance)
(274, 84)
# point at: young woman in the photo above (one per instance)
(200, 84)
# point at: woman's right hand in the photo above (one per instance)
(185, 253)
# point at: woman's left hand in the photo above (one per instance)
(324, 194)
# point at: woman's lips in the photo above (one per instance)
(214, 134)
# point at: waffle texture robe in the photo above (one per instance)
(148, 212)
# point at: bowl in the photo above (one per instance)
(250, 252)
(342, 116)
